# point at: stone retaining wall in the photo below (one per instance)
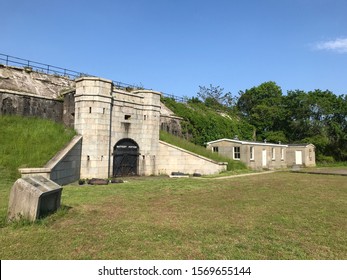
(64, 167)
(26, 104)
(174, 159)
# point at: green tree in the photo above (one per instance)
(297, 115)
(262, 107)
(318, 117)
(215, 97)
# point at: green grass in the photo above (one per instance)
(29, 142)
(332, 164)
(271, 216)
(26, 142)
(280, 215)
(202, 151)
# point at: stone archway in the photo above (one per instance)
(125, 158)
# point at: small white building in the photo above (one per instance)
(301, 154)
(263, 155)
(256, 155)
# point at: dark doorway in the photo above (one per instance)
(125, 158)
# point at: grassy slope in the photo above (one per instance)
(202, 123)
(26, 142)
(184, 144)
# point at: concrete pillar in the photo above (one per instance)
(93, 108)
(150, 132)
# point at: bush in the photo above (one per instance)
(325, 159)
(202, 124)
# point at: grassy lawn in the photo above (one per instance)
(270, 216)
(279, 215)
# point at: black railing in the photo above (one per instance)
(71, 74)
(40, 67)
(125, 86)
(175, 97)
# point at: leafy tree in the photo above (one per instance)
(262, 107)
(318, 117)
(215, 97)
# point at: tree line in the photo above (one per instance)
(318, 117)
(264, 112)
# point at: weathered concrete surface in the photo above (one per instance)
(66, 164)
(169, 122)
(29, 105)
(105, 116)
(41, 84)
(33, 197)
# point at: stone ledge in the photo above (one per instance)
(193, 154)
(89, 78)
(30, 172)
(62, 153)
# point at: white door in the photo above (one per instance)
(264, 159)
(298, 157)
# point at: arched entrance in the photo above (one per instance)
(125, 158)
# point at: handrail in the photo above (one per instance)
(71, 74)
(175, 97)
(40, 67)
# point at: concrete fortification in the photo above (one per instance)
(119, 127)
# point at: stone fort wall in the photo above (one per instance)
(30, 93)
(29, 105)
(105, 116)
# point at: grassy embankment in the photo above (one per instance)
(233, 165)
(26, 142)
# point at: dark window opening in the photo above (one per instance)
(237, 152)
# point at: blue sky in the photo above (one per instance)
(175, 46)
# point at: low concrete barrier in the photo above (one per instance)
(64, 167)
(33, 197)
(175, 159)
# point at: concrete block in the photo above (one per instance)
(33, 197)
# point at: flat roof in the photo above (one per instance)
(300, 145)
(246, 142)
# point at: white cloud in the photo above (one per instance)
(338, 45)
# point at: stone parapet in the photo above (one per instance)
(174, 159)
(63, 168)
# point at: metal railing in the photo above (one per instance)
(71, 74)
(175, 97)
(40, 67)
(125, 86)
